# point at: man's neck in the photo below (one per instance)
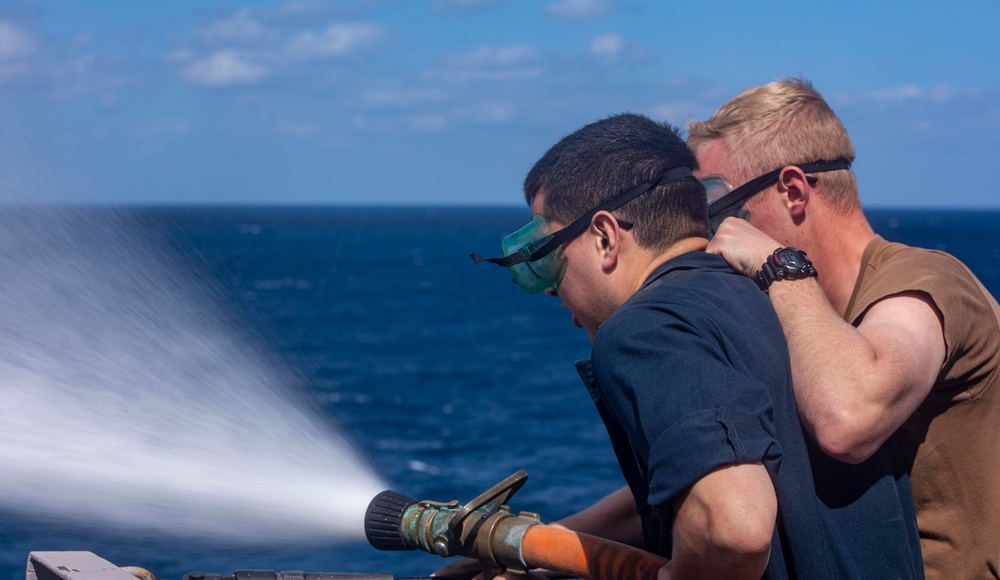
(657, 259)
(632, 273)
(836, 247)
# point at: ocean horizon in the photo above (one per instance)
(441, 377)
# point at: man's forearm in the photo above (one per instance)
(852, 389)
(853, 386)
(613, 517)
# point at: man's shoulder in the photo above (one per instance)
(680, 292)
(892, 268)
(884, 257)
(969, 315)
(698, 295)
(691, 277)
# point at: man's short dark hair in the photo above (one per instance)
(609, 156)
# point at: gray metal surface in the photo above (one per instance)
(72, 566)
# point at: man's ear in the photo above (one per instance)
(795, 189)
(607, 238)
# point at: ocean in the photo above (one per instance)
(441, 376)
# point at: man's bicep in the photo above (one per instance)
(907, 338)
(726, 519)
(687, 410)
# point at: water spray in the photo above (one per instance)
(132, 401)
(485, 529)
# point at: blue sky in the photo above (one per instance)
(445, 102)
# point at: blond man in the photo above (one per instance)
(890, 345)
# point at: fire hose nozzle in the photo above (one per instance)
(486, 530)
(382, 520)
(483, 529)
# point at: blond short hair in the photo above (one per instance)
(781, 123)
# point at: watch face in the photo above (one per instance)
(790, 258)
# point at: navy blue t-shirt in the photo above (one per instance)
(691, 374)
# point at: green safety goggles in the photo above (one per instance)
(534, 253)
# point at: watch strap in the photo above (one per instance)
(776, 269)
(766, 275)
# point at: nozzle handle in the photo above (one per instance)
(382, 520)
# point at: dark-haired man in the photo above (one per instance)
(690, 373)
(890, 345)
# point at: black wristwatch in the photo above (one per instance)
(784, 264)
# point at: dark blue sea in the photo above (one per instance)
(446, 376)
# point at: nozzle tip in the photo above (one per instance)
(382, 520)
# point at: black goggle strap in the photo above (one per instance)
(735, 197)
(545, 246)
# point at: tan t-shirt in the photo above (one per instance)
(952, 440)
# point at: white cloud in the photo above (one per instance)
(75, 77)
(430, 123)
(170, 127)
(494, 57)
(612, 49)
(459, 6)
(301, 8)
(678, 113)
(81, 75)
(287, 127)
(314, 11)
(904, 94)
(251, 45)
(607, 48)
(398, 96)
(17, 47)
(491, 64)
(15, 44)
(109, 100)
(285, 41)
(943, 94)
(82, 41)
(489, 113)
(225, 68)
(898, 94)
(337, 40)
(180, 56)
(11, 71)
(240, 28)
(573, 10)
(914, 93)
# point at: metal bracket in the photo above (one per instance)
(487, 503)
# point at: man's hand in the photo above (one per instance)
(613, 517)
(470, 568)
(466, 567)
(745, 247)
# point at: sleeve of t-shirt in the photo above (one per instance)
(967, 318)
(688, 410)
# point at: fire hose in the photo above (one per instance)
(485, 529)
